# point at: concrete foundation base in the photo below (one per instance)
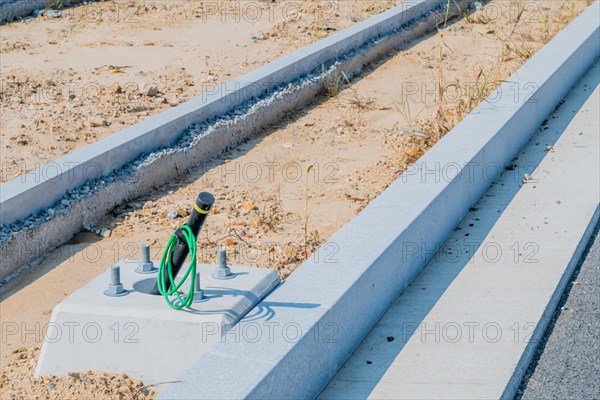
(138, 333)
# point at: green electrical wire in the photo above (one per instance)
(165, 262)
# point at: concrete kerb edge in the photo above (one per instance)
(95, 198)
(521, 368)
(300, 369)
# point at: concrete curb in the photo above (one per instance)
(467, 285)
(520, 369)
(126, 165)
(297, 338)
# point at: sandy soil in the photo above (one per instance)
(18, 382)
(69, 81)
(283, 193)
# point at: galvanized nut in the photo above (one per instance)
(222, 271)
(145, 266)
(115, 287)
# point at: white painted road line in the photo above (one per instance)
(469, 323)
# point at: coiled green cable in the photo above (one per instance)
(165, 262)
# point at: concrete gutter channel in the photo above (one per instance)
(43, 209)
(296, 339)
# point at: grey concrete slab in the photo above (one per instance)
(380, 251)
(467, 326)
(139, 334)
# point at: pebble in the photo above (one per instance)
(172, 214)
(476, 5)
(209, 79)
(148, 89)
(53, 13)
(74, 375)
(96, 122)
(115, 89)
(136, 109)
(48, 13)
(249, 206)
(123, 389)
(105, 232)
(173, 101)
